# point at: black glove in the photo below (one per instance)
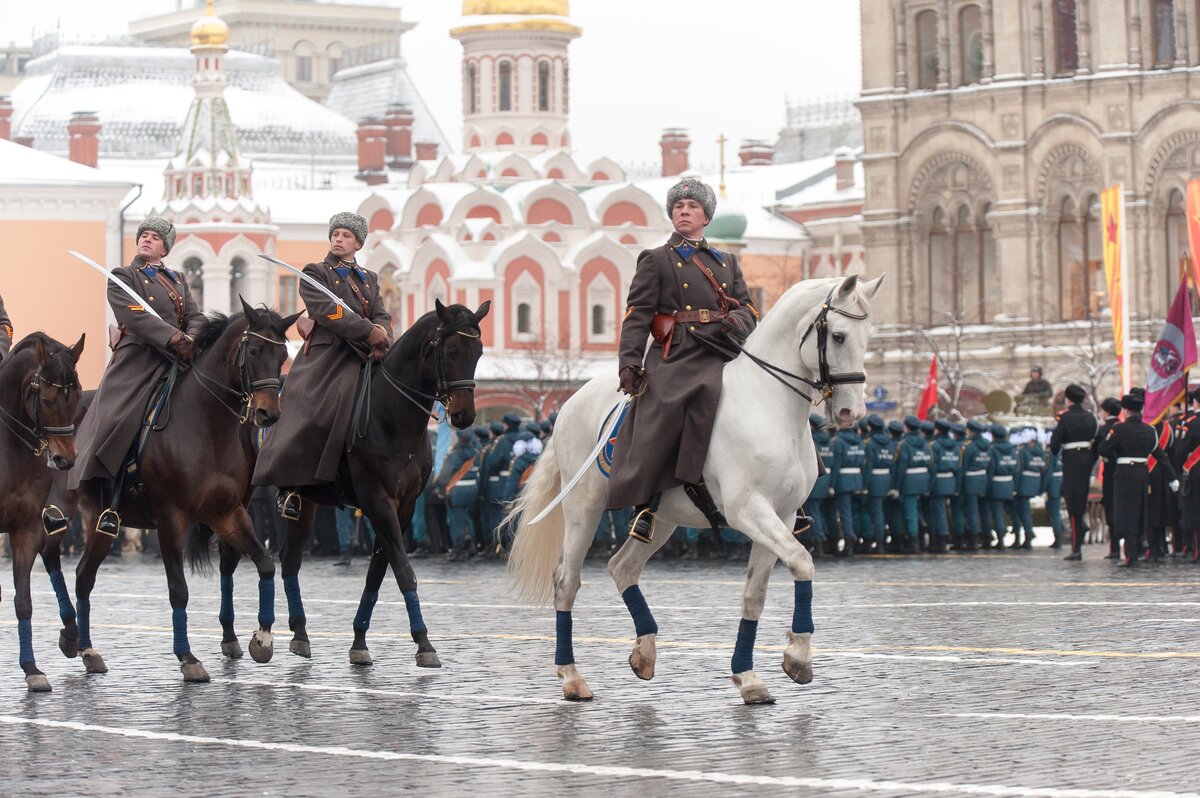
(184, 346)
(735, 329)
(633, 380)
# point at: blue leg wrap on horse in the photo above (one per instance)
(226, 613)
(66, 611)
(366, 606)
(179, 624)
(743, 650)
(291, 589)
(266, 601)
(802, 614)
(564, 653)
(25, 634)
(84, 608)
(415, 622)
(643, 621)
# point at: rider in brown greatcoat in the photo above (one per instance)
(6, 331)
(691, 299)
(307, 444)
(141, 357)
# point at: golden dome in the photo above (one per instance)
(558, 8)
(210, 30)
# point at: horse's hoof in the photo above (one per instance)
(38, 683)
(232, 649)
(752, 688)
(642, 659)
(93, 662)
(262, 646)
(361, 656)
(797, 658)
(428, 659)
(194, 672)
(574, 687)
(300, 648)
(68, 644)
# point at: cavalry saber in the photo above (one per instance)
(313, 282)
(615, 415)
(112, 278)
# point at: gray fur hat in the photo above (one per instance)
(352, 222)
(159, 225)
(691, 188)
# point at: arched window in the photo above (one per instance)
(968, 282)
(927, 50)
(1178, 256)
(970, 45)
(941, 265)
(544, 86)
(566, 94)
(193, 272)
(1164, 33)
(237, 281)
(1066, 38)
(505, 86)
(1071, 268)
(472, 88)
(304, 68)
(524, 319)
(597, 320)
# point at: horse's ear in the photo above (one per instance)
(847, 286)
(251, 312)
(871, 287)
(441, 310)
(77, 350)
(483, 311)
(43, 354)
(288, 321)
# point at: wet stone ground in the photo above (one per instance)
(1012, 674)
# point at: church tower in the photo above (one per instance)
(515, 74)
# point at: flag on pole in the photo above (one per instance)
(1193, 214)
(1112, 213)
(929, 397)
(1174, 354)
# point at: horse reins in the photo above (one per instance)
(248, 386)
(39, 432)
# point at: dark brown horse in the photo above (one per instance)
(389, 465)
(196, 469)
(39, 391)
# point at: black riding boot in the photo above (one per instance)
(53, 520)
(642, 526)
(109, 522)
(288, 504)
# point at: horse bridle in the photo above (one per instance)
(248, 386)
(444, 388)
(826, 380)
(38, 431)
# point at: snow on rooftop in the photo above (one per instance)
(21, 166)
(369, 89)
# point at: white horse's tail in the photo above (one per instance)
(536, 548)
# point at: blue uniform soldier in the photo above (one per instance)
(910, 478)
(877, 469)
(958, 519)
(1001, 479)
(818, 501)
(891, 503)
(862, 514)
(975, 460)
(946, 472)
(848, 459)
(1054, 487)
(458, 483)
(1032, 476)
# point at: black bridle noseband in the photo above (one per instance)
(248, 386)
(443, 387)
(38, 431)
(826, 380)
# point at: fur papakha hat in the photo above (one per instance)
(691, 188)
(159, 225)
(352, 222)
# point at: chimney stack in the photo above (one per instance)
(372, 151)
(83, 132)
(675, 143)
(843, 167)
(399, 122)
(24, 141)
(755, 152)
(427, 150)
(6, 113)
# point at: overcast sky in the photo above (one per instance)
(711, 66)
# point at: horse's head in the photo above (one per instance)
(839, 336)
(260, 355)
(50, 394)
(456, 348)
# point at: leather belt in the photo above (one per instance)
(881, 471)
(1077, 445)
(463, 482)
(1002, 478)
(1031, 473)
(1131, 460)
(703, 316)
(918, 470)
(849, 471)
(976, 473)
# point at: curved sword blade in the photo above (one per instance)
(314, 283)
(112, 278)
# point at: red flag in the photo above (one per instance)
(1173, 355)
(929, 397)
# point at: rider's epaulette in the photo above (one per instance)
(718, 254)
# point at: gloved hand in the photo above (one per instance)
(633, 380)
(184, 346)
(893, 494)
(735, 329)
(1173, 485)
(378, 339)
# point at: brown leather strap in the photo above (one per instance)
(702, 316)
(176, 297)
(362, 299)
(723, 300)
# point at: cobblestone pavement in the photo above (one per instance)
(1002, 674)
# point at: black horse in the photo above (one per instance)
(388, 465)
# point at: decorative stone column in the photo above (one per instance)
(216, 286)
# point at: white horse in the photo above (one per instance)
(761, 467)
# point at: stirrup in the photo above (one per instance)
(53, 520)
(802, 525)
(109, 523)
(288, 505)
(642, 514)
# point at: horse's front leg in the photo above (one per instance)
(625, 567)
(68, 636)
(388, 535)
(171, 530)
(376, 571)
(291, 557)
(758, 572)
(238, 538)
(95, 548)
(25, 541)
(230, 557)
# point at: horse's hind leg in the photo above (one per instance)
(68, 637)
(25, 542)
(625, 567)
(237, 533)
(567, 581)
(388, 535)
(170, 541)
(758, 572)
(230, 557)
(376, 571)
(291, 557)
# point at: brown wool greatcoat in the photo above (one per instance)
(663, 441)
(6, 331)
(307, 443)
(142, 358)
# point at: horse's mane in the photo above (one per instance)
(462, 319)
(60, 368)
(217, 324)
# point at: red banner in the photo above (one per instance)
(929, 397)
(1193, 214)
